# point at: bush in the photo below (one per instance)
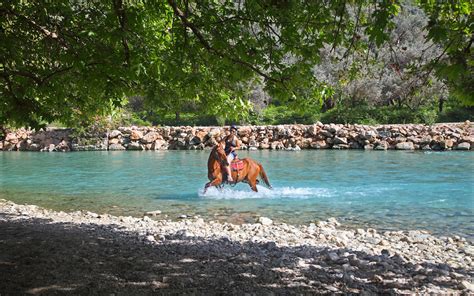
(378, 115)
(456, 114)
(274, 115)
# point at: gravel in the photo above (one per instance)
(49, 252)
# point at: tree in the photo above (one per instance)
(70, 60)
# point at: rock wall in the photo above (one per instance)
(446, 136)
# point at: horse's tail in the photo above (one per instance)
(263, 175)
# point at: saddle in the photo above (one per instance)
(237, 165)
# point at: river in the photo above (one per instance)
(385, 190)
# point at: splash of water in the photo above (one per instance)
(263, 192)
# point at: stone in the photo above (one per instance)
(321, 144)
(136, 135)
(159, 145)
(333, 221)
(195, 140)
(153, 213)
(12, 138)
(63, 146)
(150, 137)
(51, 148)
(244, 131)
(333, 256)
(150, 238)
(354, 145)
(115, 134)
(33, 147)
(369, 135)
(340, 140)
(313, 130)
(215, 132)
(114, 147)
(265, 221)
(467, 285)
(463, 146)
(114, 141)
(340, 146)
(277, 145)
(382, 145)
(326, 133)
(404, 146)
(135, 146)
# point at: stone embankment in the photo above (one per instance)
(448, 136)
(83, 253)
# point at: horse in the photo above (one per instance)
(249, 172)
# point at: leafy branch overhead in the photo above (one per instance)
(72, 60)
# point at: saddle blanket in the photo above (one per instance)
(237, 165)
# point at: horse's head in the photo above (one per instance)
(219, 154)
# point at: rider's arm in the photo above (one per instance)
(237, 143)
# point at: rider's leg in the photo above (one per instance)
(229, 174)
(230, 157)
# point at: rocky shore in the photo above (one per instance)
(446, 136)
(43, 251)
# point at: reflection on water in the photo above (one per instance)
(384, 190)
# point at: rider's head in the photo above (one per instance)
(233, 128)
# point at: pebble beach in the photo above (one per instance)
(45, 251)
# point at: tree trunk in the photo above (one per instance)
(440, 105)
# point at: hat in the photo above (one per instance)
(233, 127)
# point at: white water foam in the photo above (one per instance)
(263, 192)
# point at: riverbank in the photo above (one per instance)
(438, 137)
(43, 251)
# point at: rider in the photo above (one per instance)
(232, 143)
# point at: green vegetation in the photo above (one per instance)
(216, 62)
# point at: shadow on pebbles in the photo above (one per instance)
(48, 252)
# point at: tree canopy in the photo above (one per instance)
(71, 60)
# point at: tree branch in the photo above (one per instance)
(39, 28)
(122, 18)
(214, 51)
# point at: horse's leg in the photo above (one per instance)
(252, 176)
(215, 182)
(253, 185)
(206, 186)
(252, 181)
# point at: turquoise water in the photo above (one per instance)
(383, 190)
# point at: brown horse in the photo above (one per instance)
(249, 173)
